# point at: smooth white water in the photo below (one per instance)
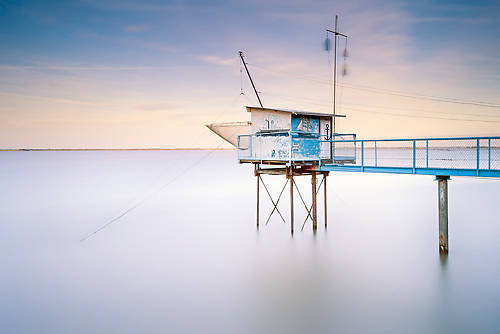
(190, 260)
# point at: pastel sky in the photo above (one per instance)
(140, 74)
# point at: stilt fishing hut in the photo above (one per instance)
(291, 143)
(296, 143)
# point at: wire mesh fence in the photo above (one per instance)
(343, 148)
(452, 154)
(391, 154)
(494, 153)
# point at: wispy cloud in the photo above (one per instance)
(155, 106)
(82, 68)
(148, 6)
(447, 19)
(128, 5)
(136, 28)
(218, 60)
(159, 46)
(108, 69)
(56, 99)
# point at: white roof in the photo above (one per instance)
(295, 112)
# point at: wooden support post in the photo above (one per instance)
(443, 212)
(290, 176)
(258, 197)
(314, 206)
(324, 188)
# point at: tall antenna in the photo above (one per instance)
(335, 33)
(250, 77)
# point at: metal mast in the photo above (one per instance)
(250, 77)
(335, 33)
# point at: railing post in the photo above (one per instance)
(354, 138)
(477, 157)
(260, 148)
(319, 151)
(414, 156)
(251, 146)
(375, 154)
(489, 153)
(362, 155)
(333, 152)
(258, 192)
(355, 153)
(238, 145)
(427, 154)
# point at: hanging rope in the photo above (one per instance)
(330, 68)
(241, 79)
(345, 55)
(344, 73)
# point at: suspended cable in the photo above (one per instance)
(421, 96)
(429, 117)
(306, 100)
(292, 75)
(429, 111)
(152, 193)
(383, 90)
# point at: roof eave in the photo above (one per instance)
(296, 112)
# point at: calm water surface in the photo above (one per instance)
(189, 259)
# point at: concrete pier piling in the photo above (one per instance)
(443, 212)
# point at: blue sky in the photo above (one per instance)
(152, 73)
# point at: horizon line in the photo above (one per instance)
(118, 149)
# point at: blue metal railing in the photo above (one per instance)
(290, 146)
(472, 156)
(343, 147)
(277, 146)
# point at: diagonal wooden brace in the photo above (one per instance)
(309, 214)
(275, 204)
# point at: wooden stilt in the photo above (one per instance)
(324, 188)
(258, 199)
(314, 206)
(291, 199)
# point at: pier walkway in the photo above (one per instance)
(295, 153)
(463, 156)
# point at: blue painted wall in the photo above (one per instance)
(305, 123)
(305, 146)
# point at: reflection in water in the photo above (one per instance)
(190, 258)
(443, 259)
(290, 293)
